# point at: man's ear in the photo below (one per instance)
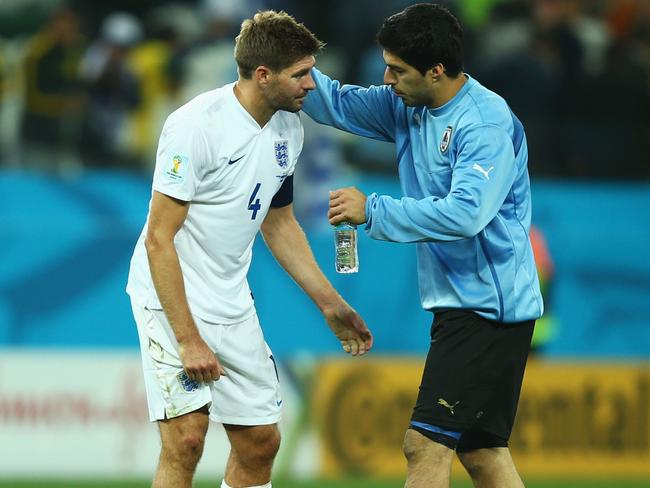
(262, 75)
(435, 72)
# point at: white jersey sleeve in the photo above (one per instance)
(182, 158)
(300, 143)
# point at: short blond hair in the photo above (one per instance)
(275, 40)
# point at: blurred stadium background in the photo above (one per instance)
(84, 90)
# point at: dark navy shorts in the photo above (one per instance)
(472, 379)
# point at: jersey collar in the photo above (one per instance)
(240, 108)
(455, 100)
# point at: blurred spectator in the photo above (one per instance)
(52, 96)
(476, 13)
(628, 76)
(3, 97)
(575, 71)
(3, 76)
(209, 62)
(113, 93)
(518, 75)
(581, 95)
(614, 139)
(150, 63)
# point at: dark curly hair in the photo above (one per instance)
(424, 35)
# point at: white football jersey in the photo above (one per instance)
(213, 154)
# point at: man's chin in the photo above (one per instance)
(409, 102)
(293, 108)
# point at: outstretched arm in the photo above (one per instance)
(288, 244)
(367, 112)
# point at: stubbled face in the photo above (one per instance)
(407, 82)
(288, 88)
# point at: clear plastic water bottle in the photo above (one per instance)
(345, 240)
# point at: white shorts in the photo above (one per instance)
(249, 394)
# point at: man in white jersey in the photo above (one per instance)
(224, 170)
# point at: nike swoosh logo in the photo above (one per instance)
(233, 161)
(279, 402)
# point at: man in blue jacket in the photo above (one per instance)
(462, 160)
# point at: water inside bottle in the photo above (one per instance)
(346, 249)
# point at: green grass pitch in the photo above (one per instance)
(351, 483)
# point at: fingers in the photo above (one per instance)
(336, 210)
(356, 338)
(211, 370)
(336, 219)
(347, 204)
(356, 347)
(198, 374)
(364, 333)
(369, 341)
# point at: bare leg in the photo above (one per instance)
(429, 463)
(491, 468)
(253, 449)
(182, 445)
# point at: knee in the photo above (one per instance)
(472, 463)
(192, 444)
(187, 449)
(267, 447)
(482, 461)
(413, 446)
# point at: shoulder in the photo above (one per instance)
(483, 107)
(206, 107)
(204, 114)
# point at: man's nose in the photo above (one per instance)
(309, 84)
(389, 79)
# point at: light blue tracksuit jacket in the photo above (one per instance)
(464, 175)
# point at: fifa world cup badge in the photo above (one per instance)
(176, 169)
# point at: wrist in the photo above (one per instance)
(329, 303)
(190, 335)
(369, 203)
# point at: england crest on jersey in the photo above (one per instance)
(282, 153)
(446, 139)
(186, 383)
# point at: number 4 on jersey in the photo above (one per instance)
(254, 204)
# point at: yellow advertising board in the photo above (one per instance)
(574, 419)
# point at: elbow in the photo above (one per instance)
(152, 243)
(269, 234)
(469, 224)
(469, 229)
(469, 219)
(267, 230)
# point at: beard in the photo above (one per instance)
(287, 104)
(279, 100)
